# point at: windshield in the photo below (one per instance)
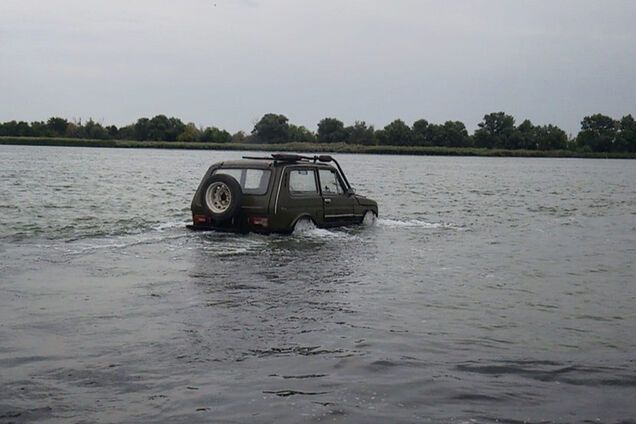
(252, 181)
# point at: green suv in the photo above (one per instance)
(273, 194)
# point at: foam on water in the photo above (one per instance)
(307, 229)
(394, 223)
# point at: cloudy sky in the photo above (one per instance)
(227, 62)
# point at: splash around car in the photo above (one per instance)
(274, 194)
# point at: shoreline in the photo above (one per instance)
(311, 147)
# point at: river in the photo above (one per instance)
(489, 290)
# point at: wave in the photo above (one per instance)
(307, 229)
(394, 223)
(169, 225)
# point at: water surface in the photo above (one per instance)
(490, 290)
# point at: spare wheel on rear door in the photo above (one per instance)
(221, 197)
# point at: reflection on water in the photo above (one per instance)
(487, 290)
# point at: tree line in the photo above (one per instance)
(498, 130)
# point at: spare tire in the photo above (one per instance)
(221, 197)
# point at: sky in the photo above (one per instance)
(226, 63)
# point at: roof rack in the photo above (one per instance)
(290, 157)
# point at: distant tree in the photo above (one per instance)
(238, 137)
(19, 129)
(550, 137)
(142, 129)
(163, 128)
(422, 134)
(331, 130)
(57, 126)
(626, 136)
(215, 135)
(454, 134)
(301, 134)
(37, 128)
(598, 133)
(524, 137)
(189, 133)
(494, 130)
(94, 130)
(113, 131)
(158, 128)
(72, 130)
(126, 132)
(272, 128)
(397, 133)
(436, 135)
(360, 133)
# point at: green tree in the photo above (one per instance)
(57, 126)
(422, 133)
(331, 130)
(113, 131)
(626, 136)
(215, 135)
(141, 129)
(272, 128)
(397, 133)
(454, 134)
(189, 133)
(550, 137)
(360, 133)
(162, 128)
(238, 137)
(598, 133)
(524, 137)
(38, 129)
(301, 134)
(494, 130)
(94, 130)
(126, 132)
(19, 129)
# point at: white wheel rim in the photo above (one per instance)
(218, 197)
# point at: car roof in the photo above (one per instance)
(266, 164)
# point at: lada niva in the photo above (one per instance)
(273, 194)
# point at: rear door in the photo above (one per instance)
(338, 204)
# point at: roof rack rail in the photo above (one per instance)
(291, 157)
(257, 158)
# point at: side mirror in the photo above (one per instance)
(350, 192)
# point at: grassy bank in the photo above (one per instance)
(310, 147)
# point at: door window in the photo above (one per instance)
(302, 182)
(329, 183)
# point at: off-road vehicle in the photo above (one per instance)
(273, 194)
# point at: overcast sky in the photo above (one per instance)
(228, 62)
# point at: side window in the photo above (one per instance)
(256, 180)
(329, 183)
(302, 181)
(252, 181)
(235, 173)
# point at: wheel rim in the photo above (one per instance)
(218, 197)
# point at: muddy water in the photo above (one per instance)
(488, 290)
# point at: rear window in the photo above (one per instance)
(252, 181)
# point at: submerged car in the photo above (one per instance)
(273, 194)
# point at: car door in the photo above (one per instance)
(338, 203)
(299, 197)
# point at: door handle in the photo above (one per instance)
(327, 201)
